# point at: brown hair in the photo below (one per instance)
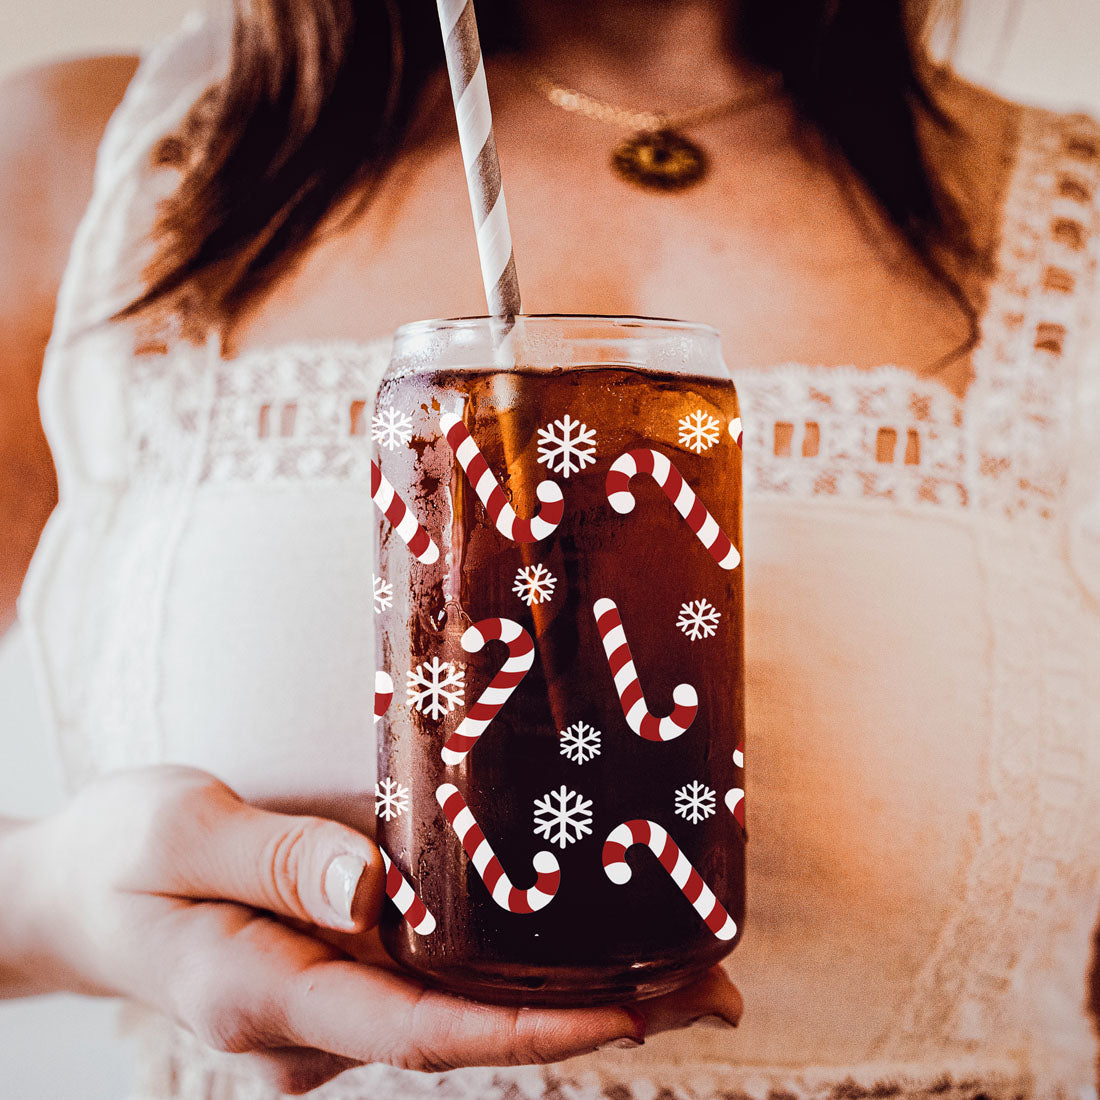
(319, 96)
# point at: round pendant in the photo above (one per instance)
(659, 159)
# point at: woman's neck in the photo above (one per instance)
(643, 53)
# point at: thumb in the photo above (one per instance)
(309, 868)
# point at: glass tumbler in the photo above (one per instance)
(559, 638)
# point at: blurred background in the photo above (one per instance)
(64, 1048)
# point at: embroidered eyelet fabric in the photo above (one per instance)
(922, 648)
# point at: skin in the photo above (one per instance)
(768, 250)
(215, 912)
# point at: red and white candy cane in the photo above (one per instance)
(667, 851)
(521, 655)
(735, 803)
(644, 460)
(488, 866)
(485, 484)
(383, 693)
(735, 430)
(735, 796)
(685, 700)
(398, 513)
(404, 897)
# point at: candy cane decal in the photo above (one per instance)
(488, 866)
(647, 461)
(735, 803)
(735, 430)
(398, 890)
(383, 694)
(667, 851)
(521, 655)
(735, 796)
(397, 512)
(485, 484)
(631, 699)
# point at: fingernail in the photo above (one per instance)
(712, 1022)
(341, 881)
(627, 1042)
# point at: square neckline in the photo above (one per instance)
(1023, 121)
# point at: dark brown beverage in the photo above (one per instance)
(559, 767)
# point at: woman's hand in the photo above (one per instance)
(163, 886)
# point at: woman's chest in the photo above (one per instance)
(777, 261)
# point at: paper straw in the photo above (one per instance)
(479, 154)
(470, 93)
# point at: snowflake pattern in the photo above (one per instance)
(695, 802)
(435, 687)
(698, 619)
(573, 446)
(383, 594)
(391, 799)
(390, 428)
(699, 431)
(580, 742)
(534, 584)
(563, 816)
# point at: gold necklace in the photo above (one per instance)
(656, 154)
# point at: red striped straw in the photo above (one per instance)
(479, 154)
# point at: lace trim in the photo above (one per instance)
(297, 412)
(176, 1066)
(1036, 820)
(302, 411)
(835, 418)
(183, 1079)
(1036, 311)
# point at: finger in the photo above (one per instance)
(206, 843)
(292, 1071)
(261, 984)
(381, 1015)
(714, 995)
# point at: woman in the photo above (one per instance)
(921, 539)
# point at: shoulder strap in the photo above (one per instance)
(108, 242)
(1082, 141)
(1036, 318)
(81, 391)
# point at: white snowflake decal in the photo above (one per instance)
(391, 799)
(695, 802)
(573, 446)
(436, 686)
(580, 742)
(698, 619)
(699, 431)
(563, 816)
(383, 594)
(390, 428)
(534, 584)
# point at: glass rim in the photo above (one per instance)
(626, 321)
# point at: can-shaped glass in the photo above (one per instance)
(560, 656)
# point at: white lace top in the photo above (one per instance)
(922, 634)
